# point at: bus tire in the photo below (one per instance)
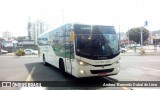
(44, 60)
(62, 68)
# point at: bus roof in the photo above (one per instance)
(53, 29)
(76, 23)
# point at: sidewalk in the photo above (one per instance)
(139, 54)
(12, 55)
(123, 54)
(147, 49)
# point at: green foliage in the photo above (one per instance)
(19, 52)
(135, 34)
(142, 51)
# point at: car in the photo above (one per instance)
(30, 51)
(4, 51)
(123, 50)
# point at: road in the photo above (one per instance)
(139, 68)
(133, 68)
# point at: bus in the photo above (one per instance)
(82, 50)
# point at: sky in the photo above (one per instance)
(123, 14)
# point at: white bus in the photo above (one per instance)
(81, 50)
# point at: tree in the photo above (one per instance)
(135, 34)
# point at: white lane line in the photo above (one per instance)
(148, 68)
(29, 78)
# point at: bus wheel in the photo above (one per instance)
(44, 61)
(62, 68)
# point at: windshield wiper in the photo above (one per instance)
(109, 48)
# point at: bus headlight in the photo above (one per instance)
(82, 63)
(82, 71)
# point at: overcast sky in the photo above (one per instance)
(14, 14)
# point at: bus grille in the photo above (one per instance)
(102, 65)
(101, 71)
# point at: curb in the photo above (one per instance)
(32, 56)
(139, 54)
(13, 55)
(21, 56)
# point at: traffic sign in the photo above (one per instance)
(146, 23)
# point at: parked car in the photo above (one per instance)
(4, 51)
(30, 51)
(123, 50)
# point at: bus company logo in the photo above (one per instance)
(85, 27)
(102, 57)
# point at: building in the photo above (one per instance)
(154, 38)
(126, 42)
(7, 34)
(7, 45)
(37, 28)
(122, 36)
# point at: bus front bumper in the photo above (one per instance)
(91, 71)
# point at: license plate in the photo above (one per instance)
(102, 74)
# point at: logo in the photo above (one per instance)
(6, 84)
(102, 57)
(86, 28)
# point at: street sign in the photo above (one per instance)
(145, 23)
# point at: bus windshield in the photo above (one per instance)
(97, 44)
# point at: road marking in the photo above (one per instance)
(29, 78)
(147, 68)
(30, 75)
(125, 88)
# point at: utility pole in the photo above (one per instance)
(119, 33)
(141, 37)
(145, 24)
(29, 27)
(128, 36)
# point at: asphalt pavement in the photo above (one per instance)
(133, 68)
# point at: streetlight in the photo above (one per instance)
(119, 33)
(128, 36)
(141, 37)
